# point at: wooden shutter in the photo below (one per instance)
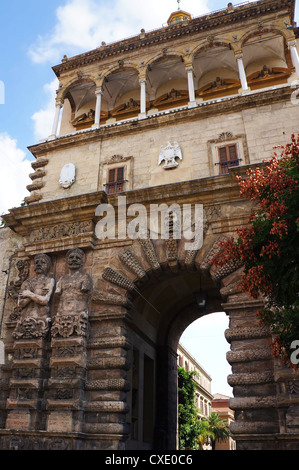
(120, 174)
(115, 182)
(232, 150)
(111, 178)
(228, 157)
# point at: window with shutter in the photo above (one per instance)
(116, 180)
(228, 157)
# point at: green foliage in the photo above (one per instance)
(218, 427)
(268, 247)
(194, 432)
(188, 420)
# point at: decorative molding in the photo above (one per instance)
(60, 231)
(254, 378)
(202, 24)
(129, 260)
(68, 325)
(114, 277)
(108, 384)
(237, 334)
(260, 354)
(29, 327)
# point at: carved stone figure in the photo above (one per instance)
(169, 155)
(33, 301)
(15, 286)
(74, 291)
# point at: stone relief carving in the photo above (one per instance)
(33, 301)
(169, 154)
(60, 230)
(74, 291)
(67, 175)
(14, 287)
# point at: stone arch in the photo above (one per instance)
(262, 30)
(127, 64)
(66, 89)
(123, 280)
(167, 82)
(210, 44)
(164, 53)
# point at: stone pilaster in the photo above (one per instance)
(26, 405)
(106, 387)
(66, 384)
(252, 378)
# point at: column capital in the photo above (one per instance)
(292, 43)
(238, 55)
(99, 91)
(142, 80)
(189, 68)
(59, 103)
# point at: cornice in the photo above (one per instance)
(81, 208)
(185, 115)
(169, 33)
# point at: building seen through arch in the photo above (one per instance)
(96, 287)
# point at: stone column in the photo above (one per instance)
(59, 106)
(99, 94)
(106, 387)
(69, 337)
(142, 114)
(255, 401)
(294, 56)
(242, 74)
(25, 405)
(192, 102)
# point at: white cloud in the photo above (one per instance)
(83, 24)
(14, 175)
(43, 119)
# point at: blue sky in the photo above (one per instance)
(34, 36)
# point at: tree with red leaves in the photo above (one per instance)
(268, 247)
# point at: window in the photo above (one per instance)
(116, 180)
(228, 157)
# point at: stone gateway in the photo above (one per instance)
(90, 325)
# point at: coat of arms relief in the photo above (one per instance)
(169, 155)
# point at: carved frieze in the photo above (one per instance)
(60, 231)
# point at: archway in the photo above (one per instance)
(160, 280)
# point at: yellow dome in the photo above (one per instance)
(178, 16)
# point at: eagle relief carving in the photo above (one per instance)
(169, 155)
